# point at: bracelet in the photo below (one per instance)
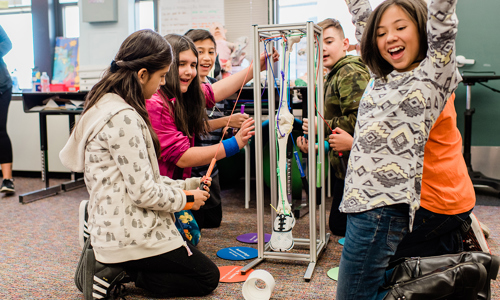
(231, 146)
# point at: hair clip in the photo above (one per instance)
(114, 66)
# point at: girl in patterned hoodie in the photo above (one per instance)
(130, 211)
(410, 51)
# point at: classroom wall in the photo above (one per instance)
(240, 24)
(477, 39)
(100, 41)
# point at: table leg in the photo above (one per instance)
(74, 183)
(47, 191)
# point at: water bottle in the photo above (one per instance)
(15, 82)
(35, 80)
(44, 79)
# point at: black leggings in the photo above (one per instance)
(175, 274)
(210, 214)
(5, 145)
(337, 220)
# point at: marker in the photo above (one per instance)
(242, 109)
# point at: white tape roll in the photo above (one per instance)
(250, 289)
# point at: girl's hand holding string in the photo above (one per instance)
(237, 120)
(245, 132)
(340, 140)
(274, 55)
(200, 196)
(207, 182)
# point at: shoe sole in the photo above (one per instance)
(476, 226)
(83, 230)
(7, 191)
(88, 275)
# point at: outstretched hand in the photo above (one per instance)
(305, 125)
(303, 144)
(237, 120)
(245, 132)
(274, 56)
(340, 140)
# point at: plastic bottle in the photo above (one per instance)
(45, 82)
(15, 82)
(35, 80)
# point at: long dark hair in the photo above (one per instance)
(415, 9)
(142, 49)
(189, 108)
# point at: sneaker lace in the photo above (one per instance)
(281, 223)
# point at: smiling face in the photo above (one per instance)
(206, 55)
(187, 69)
(152, 82)
(398, 39)
(334, 47)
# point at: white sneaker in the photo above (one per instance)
(281, 238)
(83, 216)
(473, 239)
(486, 230)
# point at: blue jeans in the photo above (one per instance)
(372, 237)
(433, 234)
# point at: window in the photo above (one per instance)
(16, 21)
(300, 11)
(145, 14)
(70, 14)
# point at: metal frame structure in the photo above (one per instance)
(316, 244)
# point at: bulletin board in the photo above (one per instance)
(179, 16)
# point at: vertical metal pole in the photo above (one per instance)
(259, 172)
(321, 133)
(469, 95)
(312, 141)
(247, 176)
(272, 12)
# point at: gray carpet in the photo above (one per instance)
(39, 248)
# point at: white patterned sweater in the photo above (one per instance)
(395, 116)
(131, 206)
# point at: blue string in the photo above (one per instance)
(275, 83)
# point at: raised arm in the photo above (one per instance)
(230, 85)
(360, 11)
(235, 122)
(200, 156)
(441, 34)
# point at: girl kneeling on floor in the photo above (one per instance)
(130, 211)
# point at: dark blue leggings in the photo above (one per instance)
(5, 145)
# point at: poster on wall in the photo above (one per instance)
(66, 62)
(180, 16)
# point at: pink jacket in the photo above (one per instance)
(172, 141)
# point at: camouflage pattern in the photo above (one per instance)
(344, 87)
